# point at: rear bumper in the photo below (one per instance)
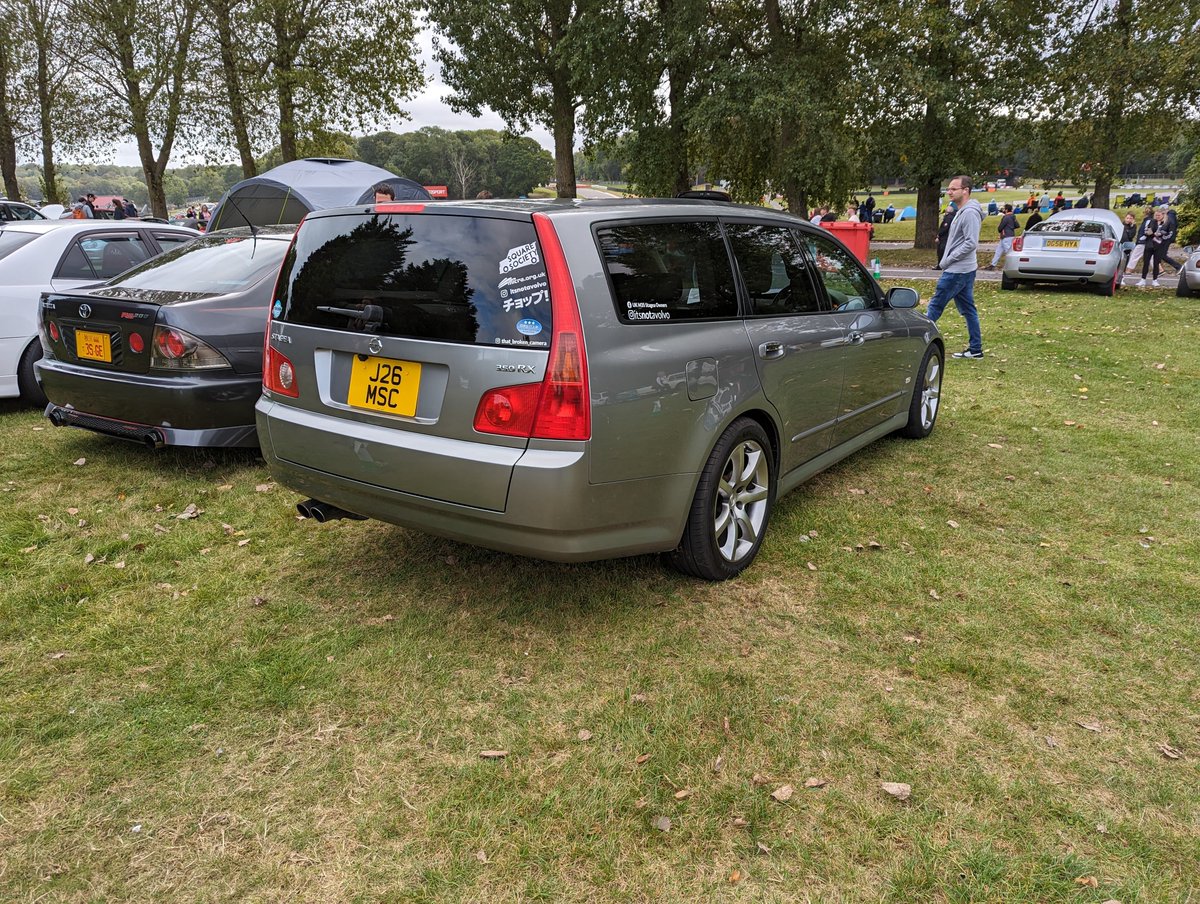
(552, 511)
(183, 409)
(1034, 266)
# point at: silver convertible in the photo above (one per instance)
(1071, 246)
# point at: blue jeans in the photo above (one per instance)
(961, 288)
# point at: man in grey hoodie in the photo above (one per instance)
(959, 264)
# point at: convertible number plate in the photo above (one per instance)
(93, 346)
(1062, 243)
(384, 384)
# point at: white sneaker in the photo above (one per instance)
(1141, 284)
(1155, 283)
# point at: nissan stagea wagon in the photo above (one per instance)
(581, 380)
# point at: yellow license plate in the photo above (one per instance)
(1062, 243)
(384, 384)
(93, 346)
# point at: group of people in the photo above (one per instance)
(856, 212)
(84, 208)
(1152, 242)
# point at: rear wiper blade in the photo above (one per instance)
(370, 313)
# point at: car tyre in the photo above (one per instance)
(1109, 288)
(1182, 289)
(1007, 284)
(27, 383)
(926, 397)
(732, 506)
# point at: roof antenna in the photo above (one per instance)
(229, 200)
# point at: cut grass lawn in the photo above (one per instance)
(244, 706)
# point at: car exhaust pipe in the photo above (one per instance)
(153, 439)
(56, 416)
(323, 511)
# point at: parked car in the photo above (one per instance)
(169, 353)
(16, 210)
(1072, 246)
(575, 381)
(1188, 283)
(55, 255)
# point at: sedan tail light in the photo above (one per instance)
(1106, 246)
(1018, 243)
(173, 349)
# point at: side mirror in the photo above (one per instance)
(902, 297)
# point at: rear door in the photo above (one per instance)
(397, 325)
(798, 344)
(96, 255)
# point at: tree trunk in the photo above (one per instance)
(237, 101)
(677, 82)
(8, 138)
(1102, 196)
(795, 197)
(564, 143)
(51, 193)
(287, 118)
(929, 194)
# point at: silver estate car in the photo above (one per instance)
(1071, 246)
(581, 380)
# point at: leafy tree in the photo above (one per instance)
(230, 35)
(137, 55)
(1122, 75)
(530, 61)
(317, 143)
(13, 96)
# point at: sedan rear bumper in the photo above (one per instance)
(1059, 267)
(197, 409)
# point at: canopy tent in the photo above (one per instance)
(908, 213)
(289, 191)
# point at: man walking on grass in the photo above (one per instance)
(959, 264)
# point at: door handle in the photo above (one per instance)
(855, 338)
(771, 350)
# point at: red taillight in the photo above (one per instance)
(170, 343)
(278, 374)
(54, 334)
(1106, 246)
(393, 207)
(137, 344)
(558, 407)
(1018, 243)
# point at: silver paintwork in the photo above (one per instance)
(1085, 265)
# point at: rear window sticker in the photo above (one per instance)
(520, 256)
(277, 308)
(529, 326)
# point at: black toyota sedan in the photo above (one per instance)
(170, 352)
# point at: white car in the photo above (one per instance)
(16, 210)
(39, 256)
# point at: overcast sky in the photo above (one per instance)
(429, 108)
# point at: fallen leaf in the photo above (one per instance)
(935, 594)
(1009, 477)
(858, 492)
(243, 542)
(718, 764)
(1091, 726)
(874, 544)
(228, 528)
(740, 822)
(159, 529)
(815, 782)
(783, 793)
(760, 779)
(995, 446)
(89, 559)
(29, 549)
(72, 511)
(637, 698)
(258, 601)
(61, 654)
(493, 754)
(1171, 753)
(641, 758)
(1069, 423)
(1087, 881)
(80, 462)
(118, 564)
(584, 735)
(663, 823)
(640, 803)
(735, 877)
(683, 794)
(378, 620)
(1101, 828)
(812, 567)
(725, 727)
(264, 487)
(762, 848)
(192, 511)
(1051, 741)
(481, 857)
(952, 523)
(898, 790)
(911, 638)
(225, 486)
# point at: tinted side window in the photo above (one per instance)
(668, 271)
(172, 239)
(76, 265)
(773, 270)
(848, 285)
(102, 256)
(476, 280)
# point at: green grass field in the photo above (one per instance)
(243, 706)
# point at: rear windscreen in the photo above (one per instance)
(1088, 227)
(10, 241)
(216, 264)
(446, 278)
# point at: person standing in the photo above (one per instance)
(384, 193)
(1129, 237)
(1033, 219)
(1007, 230)
(1145, 231)
(870, 205)
(130, 210)
(959, 265)
(118, 209)
(1156, 245)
